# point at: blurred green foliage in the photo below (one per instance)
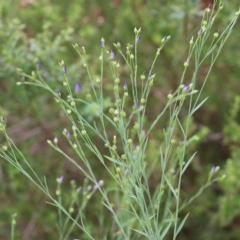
(44, 31)
(229, 206)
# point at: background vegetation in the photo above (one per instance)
(45, 30)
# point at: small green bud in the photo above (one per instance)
(223, 176)
(117, 45)
(117, 80)
(72, 103)
(143, 77)
(118, 169)
(88, 96)
(132, 56)
(123, 114)
(18, 83)
(125, 94)
(143, 100)
(14, 222)
(202, 30)
(98, 80)
(123, 157)
(169, 96)
(207, 10)
(191, 41)
(114, 147)
(115, 119)
(107, 144)
(216, 35)
(152, 77)
(173, 141)
(129, 141)
(88, 196)
(111, 110)
(151, 83)
(166, 38)
(58, 192)
(204, 23)
(55, 140)
(136, 126)
(71, 210)
(75, 145)
(116, 112)
(186, 64)
(102, 42)
(2, 124)
(237, 13)
(4, 148)
(14, 219)
(83, 132)
(64, 83)
(217, 168)
(69, 111)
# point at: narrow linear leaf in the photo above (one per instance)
(181, 224)
(198, 106)
(99, 155)
(142, 233)
(165, 231)
(115, 161)
(187, 163)
(132, 196)
(171, 187)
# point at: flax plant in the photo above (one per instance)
(138, 212)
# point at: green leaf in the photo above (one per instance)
(171, 187)
(116, 161)
(142, 233)
(181, 224)
(187, 163)
(198, 106)
(165, 231)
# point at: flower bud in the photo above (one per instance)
(102, 43)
